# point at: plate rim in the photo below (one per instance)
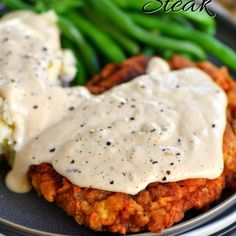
(215, 226)
(178, 228)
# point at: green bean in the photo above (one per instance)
(182, 21)
(129, 45)
(60, 7)
(125, 24)
(168, 54)
(87, 52)
(201, 19)
(210, 44)
(131, 4)
(148, 51)
(17, 5)
(205, 23)
(64, 6)
(107, 47)
(81, 76)
(114, 14)
(40, 7)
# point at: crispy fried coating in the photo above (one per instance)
(115, 74)
(153, 209)
(160, 205)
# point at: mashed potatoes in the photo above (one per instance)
(33, 67)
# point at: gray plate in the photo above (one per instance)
(28, 214)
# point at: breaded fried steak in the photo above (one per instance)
(159, 205)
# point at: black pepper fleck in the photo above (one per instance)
(213, 126)
(168, 172)
(132, 118)
(35, 107)
(164, 178)
(52, 150)
(5, 39)
(72, 162)
(26, 56)
(108, 143)
(71, 108)
(112, 182)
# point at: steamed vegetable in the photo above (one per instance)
(122, 21)
(201, 19)
(106, 31)
(88, 54)
(103, 42)
(208, 43)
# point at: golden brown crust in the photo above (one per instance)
(155, 208)
(115, 74)
(159, 205)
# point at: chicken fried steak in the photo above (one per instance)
(160, 205)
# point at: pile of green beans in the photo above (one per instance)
(109, 31)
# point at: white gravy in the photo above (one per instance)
(31, 65)
(163, 126)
